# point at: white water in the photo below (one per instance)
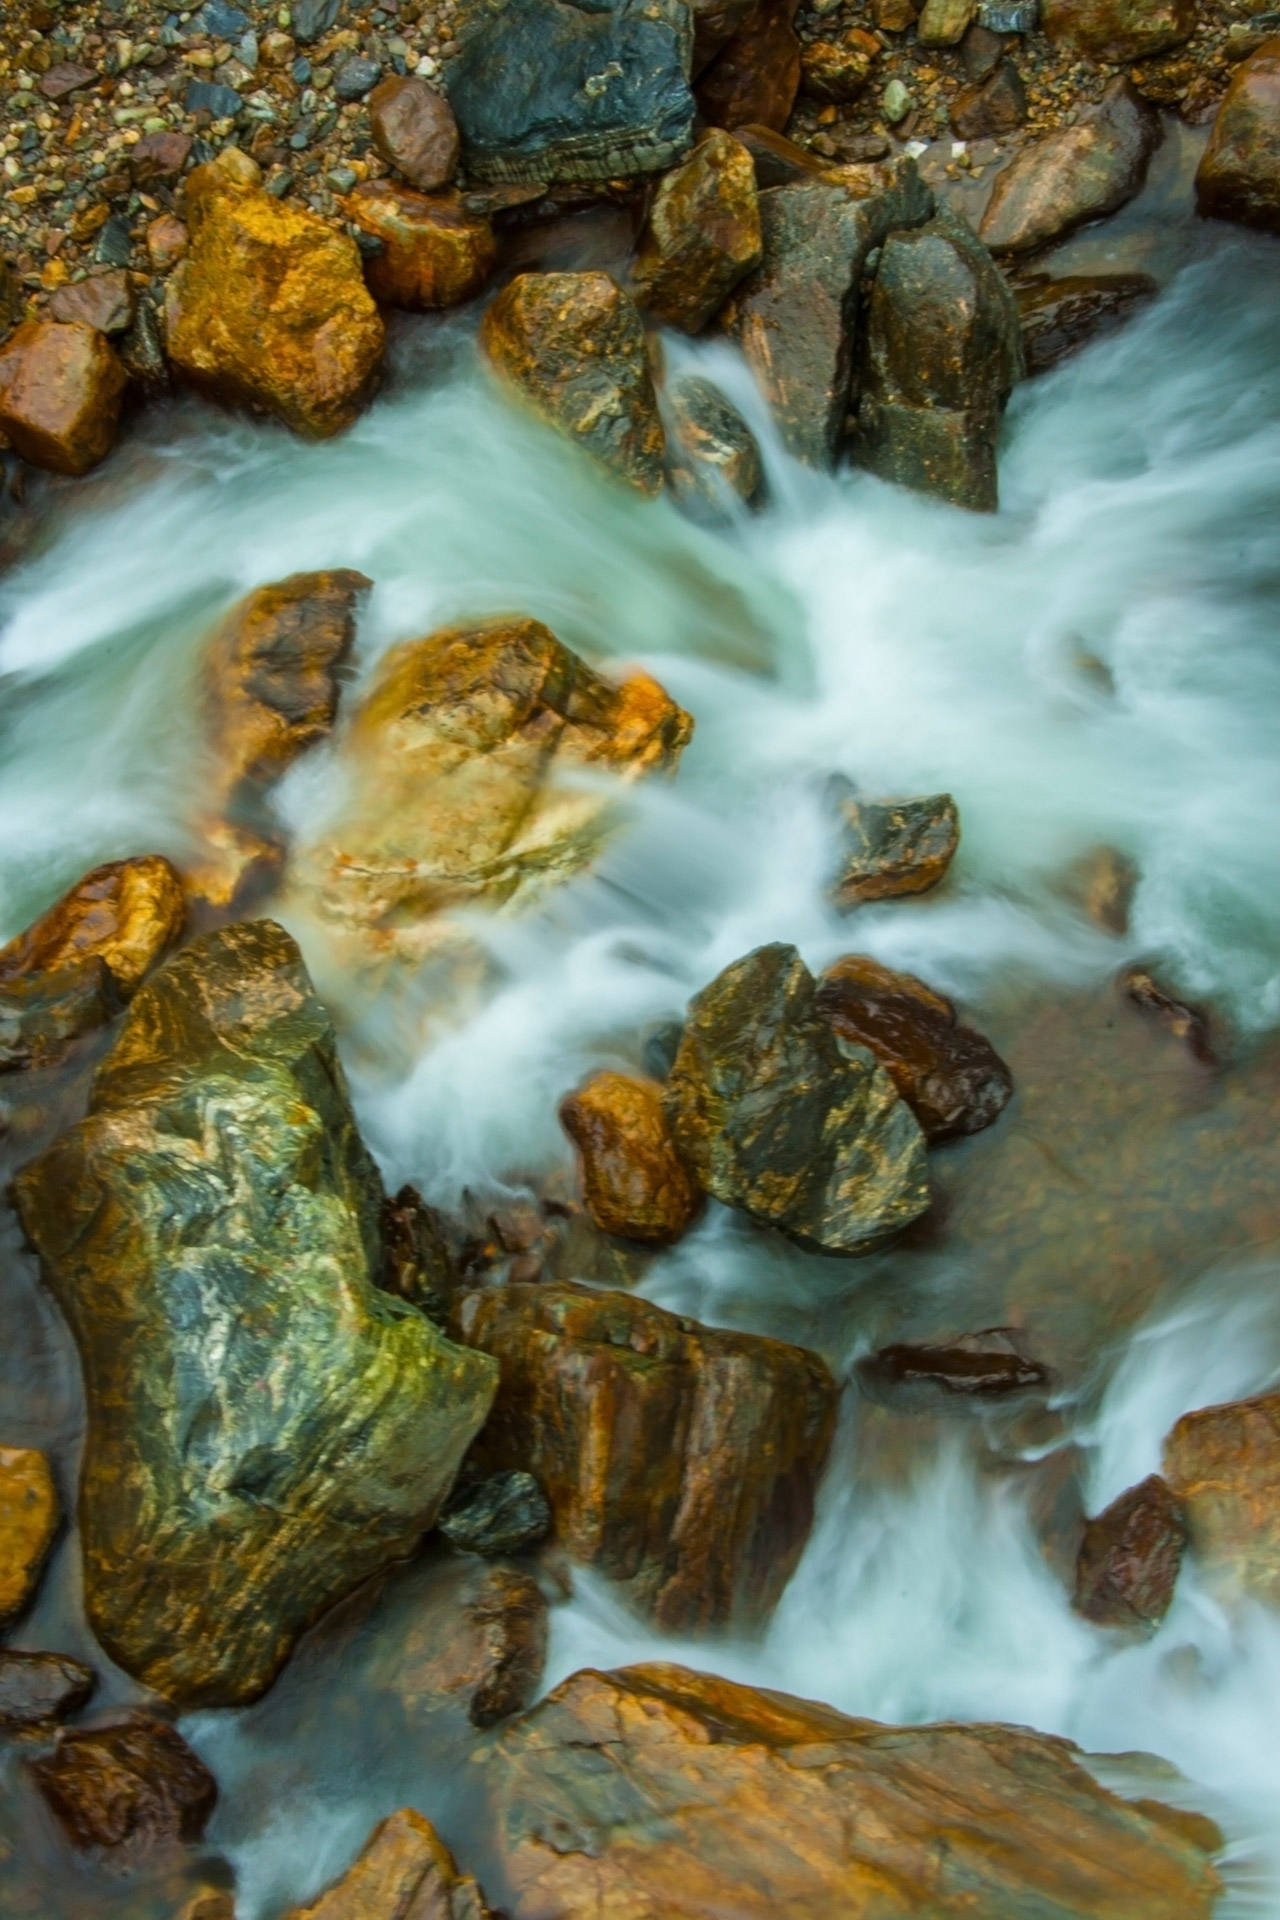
(1097, 663)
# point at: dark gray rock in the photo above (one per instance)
(977, 1366)
(713, 461)
(221, 21)
(506, 1513)
(141, 351)
(356, 77)
(42, 1015)
(36, 1688)
(208, 96)
(1061, 316)
(312, 19)
(893, 847)
(115, 246)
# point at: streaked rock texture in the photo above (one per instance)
(433, 253)
(1239, 173)
(1075, 174)
(1119, 30)
(37, 1688)
(126, 913)
(702, 234)
(1129, 1557)
(976, 1366)
(713, 458)
(29, 1518)
(61, 389)
(126, 1788)
(894, 847)
(1223, 1464)
(634, 1183)
(404, 1872)
(1059, 316)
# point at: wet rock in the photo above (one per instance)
(405, 1872)
(944, 23)
(982, 51)
(61, 388)
(141, 354)
(65, 77)
(779, 162)
(415, 132)
(678, 1460)
(701, 236)
(573, 345)
(312, 19)
(993, 108)
(657, 1781)
(714, 23)
(713, 459)
(213, 1223)
(777, 1115)
(476, 1642)
(978, 1366)
(36, 1688)
(754, 79)
(634, 1183)
(1223, 1464)
(418, 1256)
(1061, 316)
(1119, 30)
(28, 1522)
(42, 1017)
(894, 16)
(836, 71)
(506, 1513)
(1072, 175)
(127, 914)
(104, 301)
(159, 157)
(1239, 173)
(894, 848)
(1130, 1556)
(795, 317)
(1192, 1025)
(269, 308)
(951, 1077)
(545, 90)
(127, 1788)
(433, 254)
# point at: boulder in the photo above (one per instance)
(42, 1016)
(795, 317)
(978, 1366)
(213, 1225)
(679, 1460)
(432, 254)
(126, 1788)
(1239, 173)
(415, 132)
(268, 309)
(61, 389)
(104, 301)
(778, 1115)
(702, 234)
(714, 23)
(1072, 175)
(1223, 1465)
(126, 914)
(1119, 30)
(1059, 316)
(36, 1688)
(404, 1872)
(1129, 1558)
(754, 79)
(474, 1641)
(713, 458)
(634, 1182)
(573, 346)
(545, 90)
(941, 353)
(662, 1794)
(29, 1518)
(949, 1074)
(992, 108)
(837, 71)
(894, 848)
(501, 1514)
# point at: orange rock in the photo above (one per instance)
(1223, 1464)
(415, 132)
(128, 913)
(434, 255)
(1239, 173)
(269, 308)
(167, 241)
(755, 77)
(634, 1183)
(405, 1872)
(60, 392)
(28, 1522)
(701, 236)
(1129, 1557)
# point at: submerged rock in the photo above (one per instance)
(1223, 1464)
(679, 1460)
(415, 132)
(474, 1641)
(754, 79)
(43, 1015)
(1119, 30)
(1129, 1557)
(702, 234)
(433, 254)
(502, 1514)
(404, 1872)
(36, 1688)
(1239, 173)
(673, 1795)
(713, 458)
(777, 1115)
(1059, 316)
(1075, 174)
(1192, 1025)
(894, 847)
(977, 1366)
(61, 389)
(126, 1788)
(210, 1226)
(634, 1182)
(28, 1522)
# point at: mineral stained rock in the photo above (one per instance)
(754, 78)
(1059, 316)
(713, 458)
(702, 234)
(266, 1428)
(1223, 1464)
(1119, 30)
(1129, 1557)
(474, 1641)
(404, 1872)
(896, 847)
(1239, 173)
(433, 254)
(778, 1115)
(415, 132)
(61, 389)
(28, 1522)
(1075, 174)
(42, 1015)
(127, 913)
(36, 1688)
(128, 1787)
(634, 1182)
(679, 1460)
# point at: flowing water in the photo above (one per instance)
(1097, 664)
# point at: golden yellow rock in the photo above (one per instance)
(28, 1522)
(634, 1183)
(433, 254)
(405, 1872)
(701, 236)
(127, 913)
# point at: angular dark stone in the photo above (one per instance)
(1129, 1557)
(209, 96)
(995, 107)
(115, 242)
(42, 1016)
(981, 51)
(896, 847)
(1061, 316)
(159, 156)
(754, 79)
(127, 1787)
(65, 77)
(104, 301)
(419, 1261)
(356, 77)
(505, 1513)
(312, 19)
(223, 21)
(36, 1688)
(140, 350)
(980, 1366)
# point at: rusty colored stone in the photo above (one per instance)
(433, 254)
(126, 1788)
(994, 107)
(159, 157)
(403, 1872)
(1129, 1557)
(678, 1460)
(28, 1522)
(701, 236)
(977, 1366)
(1119, 30)
(895, 847)
(1192, 1025)
(104, 301)
(1223, 1464)
(415, 132)
(838, 70)
(1061, 316)
(167, 241)
(476, 1641)
(755, 77)
(1239, 173)
(65, 77)
(127, 913)
(894, 16)
(634, 1183)
(36, 1688)
(61, 388)
(269, 308)
(43, 1015)
(1074, 174)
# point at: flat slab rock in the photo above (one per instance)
(1075, 174)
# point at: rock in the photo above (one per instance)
(212, 1903)
(977, 1366)
(982, 51)
(356, 77)
(312, 19)
(269, 308)
(634, 1183)
(754, 79)
(944, 23)
(42, 1017)
(415, 132)
(672, 1794)
(127, 914)
(507, 1513)
(36, 1688)
(545, 90)
(896, 103)
(950, 1076)
(167, 241)
(1059, 316)
(219, 1169)
(476, 1642)
(702, 234)
(993, 108)
(1072, 175)
(714, 23)
(1119, 30)
(680, 1461)
(126, 1788)
(141, 354)
(573, 346)
(1191, 1025)
(895, 848)
(1129, 1558)
(777, 1115)
(209, 96)
(104, 301)
(417, 1257)
(405, 1872)
(942, 352)
(1223, 1465)
(1239, 173)
(433, 254)
(159, 157)
(713, 459)
(779, 162)
(28, 1522)
(61, 388)
(838, 70)
(894, 16)
(65, 77)
(795, 317)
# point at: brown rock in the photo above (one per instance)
(1192, 1025)
(1223, 1464)
(1061, 316)
(894, 848)
(894, 16)
(28, 1521)
(755, 77)
(417, 1258)
(993, 108)
(838, 70)
(127, 914)
(127, 1788)
(159, 156)
(36, 1688)
(714, 23)
(269, 308)
(43, 1015)
(104, 301)
(779, 162)
(167, 241)
(1074, 174)
(65, 77)
(477, 1641)
(1239, 173)
(1119, 30)
(434, 255)
(634, 1183)
(679, 1460)
(405, 1872)
(60, 392)
(674, 1795)
(1130, 1556)
(982, 51)
(701, 235)
(415, 132)
(977, 1366)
